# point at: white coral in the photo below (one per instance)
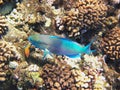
(93, 62)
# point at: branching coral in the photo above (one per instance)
(3, 26)
(110, 44)
(8, 53)
(86, 14)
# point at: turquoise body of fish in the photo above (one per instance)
(59, 46)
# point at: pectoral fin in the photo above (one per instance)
(46, 53)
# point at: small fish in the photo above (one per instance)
(59, 46)
(27, 50)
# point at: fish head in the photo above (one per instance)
(39, 41)
(39, 38)
(34, 38)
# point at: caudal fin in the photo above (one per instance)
(88, 47)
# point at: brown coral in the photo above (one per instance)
(7, 52)
(58, 77)
(3, 26)
(86, 14)
(110, 44)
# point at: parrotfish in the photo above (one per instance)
(59, 46)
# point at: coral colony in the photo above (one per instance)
(3, 26)
(39, 41)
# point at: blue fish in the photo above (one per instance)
(59, 46)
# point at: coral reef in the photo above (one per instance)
(8, 52)
(77, 19)
(111, 75)
(3, 26)
(27, 76)
(67, 5)
(15, 35)
(89, 79)
(22, 15)
(87, 76)
(31, 11)
(31, 15)
(87, 15)
(58, 77)
(90, 75)
(110, 44)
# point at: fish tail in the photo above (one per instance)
(27, 50)
(87, 48)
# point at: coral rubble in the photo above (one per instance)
(31, 14)
(86, 14)
(110, 44)
(27, 76)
